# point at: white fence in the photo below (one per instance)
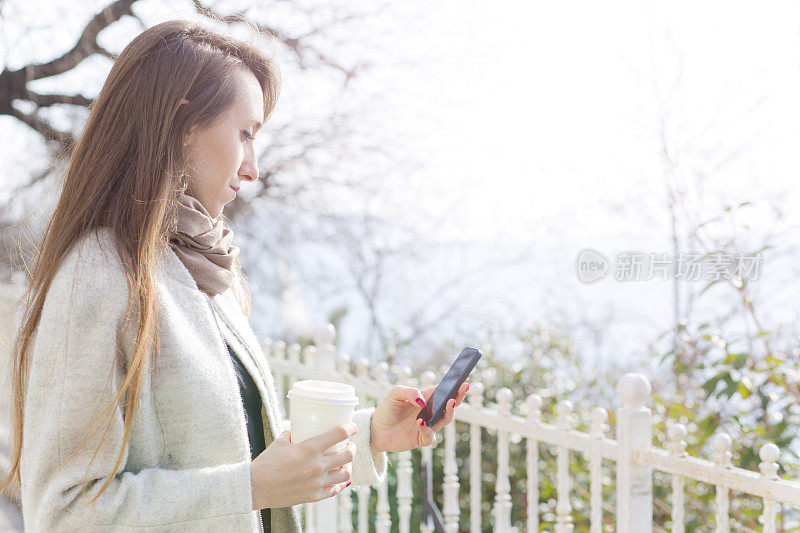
(632, 452)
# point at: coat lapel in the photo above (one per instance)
(238, 333)
(236, 330)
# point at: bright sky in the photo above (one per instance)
(542, 119)
(553, 111)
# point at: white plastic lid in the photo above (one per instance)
(325, 392)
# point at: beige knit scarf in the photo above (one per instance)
(204, 246)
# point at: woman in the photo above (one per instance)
(145, 397)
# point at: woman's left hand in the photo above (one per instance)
(394, 426)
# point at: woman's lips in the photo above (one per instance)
(234, 190)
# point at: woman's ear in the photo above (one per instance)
(189, 136)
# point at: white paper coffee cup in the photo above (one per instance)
(317, 406)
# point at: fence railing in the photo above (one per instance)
(632, 452)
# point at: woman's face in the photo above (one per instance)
(222, 156)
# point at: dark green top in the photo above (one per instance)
(251, 399)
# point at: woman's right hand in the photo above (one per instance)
(286, 474)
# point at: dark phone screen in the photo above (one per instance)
(448, 387)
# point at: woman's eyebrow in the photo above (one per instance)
(257, 124)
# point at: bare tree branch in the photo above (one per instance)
(46, 100)
(103, 52)
(298, 45)
(86, 45)
(13, 83)
(62, 138)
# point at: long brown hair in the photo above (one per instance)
(126, 172)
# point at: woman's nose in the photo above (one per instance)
(248, 171)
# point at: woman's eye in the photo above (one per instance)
(247, 135)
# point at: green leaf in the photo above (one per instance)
(730, 389)
(773, 360)
(744, 387)
(711, 385)
(707, 428)
(735, 359)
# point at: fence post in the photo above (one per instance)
(502, 498)
(324, 359)
(324, 339)
(634, 430)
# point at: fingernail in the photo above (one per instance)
(467, 386)
(421, 402)
(421, 423)
(348, 484)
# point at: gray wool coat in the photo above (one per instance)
(187, 464)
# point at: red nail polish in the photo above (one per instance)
(421, 423)
(421, 402)
(348, 484)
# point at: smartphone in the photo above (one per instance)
(448, 387)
